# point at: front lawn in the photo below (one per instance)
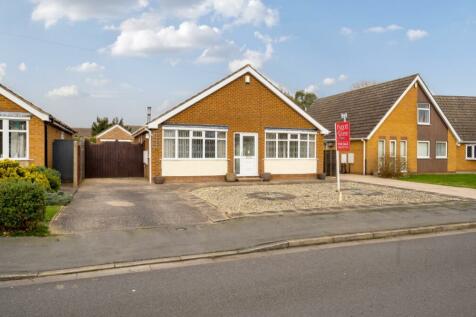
(457, 180)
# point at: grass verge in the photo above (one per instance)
(456, 180)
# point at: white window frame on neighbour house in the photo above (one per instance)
(424, 107)
(187, 135)
(5, 135)
(403, 155)
(291, 142)
(441, 157)
(471, 157)
(429, 150)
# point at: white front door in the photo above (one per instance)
(246, 154)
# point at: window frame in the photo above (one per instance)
(403, 158)
(191, 137)
(439, 157)
(394, 142)
(429, 151)
(473, 147)
(288, 141)
(427, 108)
(6, 138)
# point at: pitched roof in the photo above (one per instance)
(34, 109)
(461, 112)
(83, 132)
(365, 107)
(153, 124)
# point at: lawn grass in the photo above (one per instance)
(457, 180)
(42, 229)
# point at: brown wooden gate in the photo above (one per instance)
(330, 162)
(114, 159)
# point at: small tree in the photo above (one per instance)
(100, 125)
(304, 99)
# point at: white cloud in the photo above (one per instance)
(3, 70)
(312, 88)
(346, 31)
(329, 81)
(64, 91)
(255, 58)
(218, 53)
(383, 29)
(342, 77)
(415, 35)
(86, 67)
(22, 67)
(146, 35)
(233, 12)
(51, 11)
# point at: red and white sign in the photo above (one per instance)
(342, 130)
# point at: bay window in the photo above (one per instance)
(194, 143)
(13, 139)
(291, 145)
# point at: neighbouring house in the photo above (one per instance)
(399, 120)
(116, 133)
(461, 112)
(242, 125)
(27, 132)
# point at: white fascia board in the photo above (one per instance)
(111, 128)
(155, 123)
(430, 96)
(43, 116)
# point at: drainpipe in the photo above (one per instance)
(364, 156)
(150, 154)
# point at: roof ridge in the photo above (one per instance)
(367, 87)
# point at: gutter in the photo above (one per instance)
(150, 153)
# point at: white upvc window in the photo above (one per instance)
(393, 149)
(194, 143)
(423, 114)
(441, 150)
(423, 149)
(290, 144)
(471, 152)
(14, 139)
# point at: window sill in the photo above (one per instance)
(291, 158)
(421, 123)
(423, 158)
(15, 159)
(441, 158)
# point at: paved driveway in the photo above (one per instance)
(117, 204)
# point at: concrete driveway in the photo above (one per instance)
(118, 204)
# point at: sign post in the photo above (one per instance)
(342, 134)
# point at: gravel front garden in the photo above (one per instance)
(258, 199)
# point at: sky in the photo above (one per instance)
(79, 59)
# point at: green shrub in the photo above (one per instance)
(53, 176)
(22, 204)
(58, 199)
(12, 170)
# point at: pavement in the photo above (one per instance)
(32, 254)
(461, 192)
(121, 204)
(431, 276)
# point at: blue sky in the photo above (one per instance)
(82, 58)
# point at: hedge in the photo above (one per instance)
(22, 204)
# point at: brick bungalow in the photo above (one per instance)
(26, 131)
(116, 133)
(461, 112)
(395, 119)
(243, 125)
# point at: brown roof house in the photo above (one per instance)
(26, 131)
(398, 120)
(461, 112)
(242, 125)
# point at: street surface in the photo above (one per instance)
(431, 276)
